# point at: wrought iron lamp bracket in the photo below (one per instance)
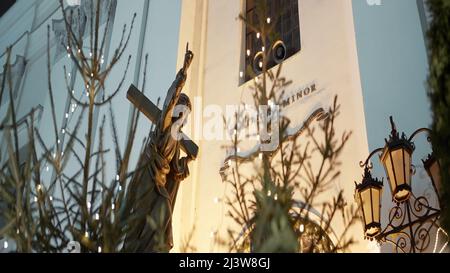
(409, 225)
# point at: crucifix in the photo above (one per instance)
(153, 113)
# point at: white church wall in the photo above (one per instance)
(328, 58)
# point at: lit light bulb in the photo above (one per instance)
(275, 197)
(51, 198)
(39, 187)
(67, 115)
(113, 206)
(86, 234)
(59, 141)
(269, 193)
(302, 228)
(117, 177)
(260, 64)
(68, 74)
(88, 205)
(263, 49)
(248, 52)
(268, 20)
(241, 74)
(97, 216)
(63, 131)
(99, 249)
(5, 244)
(258, 35)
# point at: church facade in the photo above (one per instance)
(371, 54)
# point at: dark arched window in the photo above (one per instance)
(283, 13)
(5, 5)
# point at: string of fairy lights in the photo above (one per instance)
(249, 52)
(68, 116)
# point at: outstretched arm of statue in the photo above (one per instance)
(175, 90)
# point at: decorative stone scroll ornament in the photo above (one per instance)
(253, 153)
(77, 19)
(80, 17)
(17, 71)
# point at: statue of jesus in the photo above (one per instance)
(153, 189)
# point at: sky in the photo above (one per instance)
(393, 66)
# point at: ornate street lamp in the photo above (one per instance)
(411, 218)
(396, 159)
(368, 196)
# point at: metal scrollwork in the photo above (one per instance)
(410, 223)
(409, 226)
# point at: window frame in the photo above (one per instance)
(288, 30)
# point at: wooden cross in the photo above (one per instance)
(153, 113)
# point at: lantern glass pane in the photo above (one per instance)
(376, 204)
(436, 175)
(390, 173)
(367, 206)
(408, 167)
(397, 157)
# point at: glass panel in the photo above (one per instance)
(389, 172)
(435, 172)
(367, 206)
(284, 14)
(397, 157)
(408, 167)
(376, 205)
